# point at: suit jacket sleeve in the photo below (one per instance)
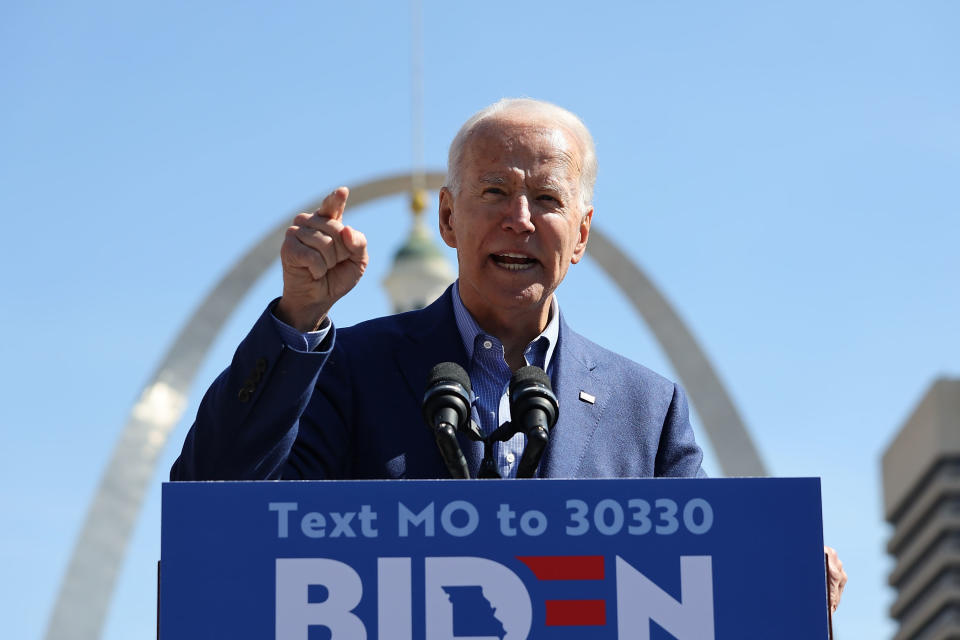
(250, 416)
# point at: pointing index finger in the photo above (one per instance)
(333, 205)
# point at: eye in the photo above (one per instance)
(546, 197)
(494, 190)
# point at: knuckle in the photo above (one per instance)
(303, 255)
(308, 253)
(322, 241)
(308, 236)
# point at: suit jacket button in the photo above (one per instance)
(261, 365)
(244, 394)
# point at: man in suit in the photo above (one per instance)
(302, 399)
(517, 207)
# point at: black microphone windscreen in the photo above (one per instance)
(449, 372)
(530, 374)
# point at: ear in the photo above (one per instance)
(581, 247)
(446, 218)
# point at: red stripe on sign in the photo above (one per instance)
(576, 613)
(565, 567)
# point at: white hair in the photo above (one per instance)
(569, 121)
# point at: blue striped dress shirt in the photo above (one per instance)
(490, 377)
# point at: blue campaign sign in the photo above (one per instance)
(683, 559)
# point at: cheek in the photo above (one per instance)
(571, 238)
(474, 236)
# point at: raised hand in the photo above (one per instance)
(322, 261)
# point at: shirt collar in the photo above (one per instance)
(469, 329)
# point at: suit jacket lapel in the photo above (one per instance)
(432, 337)
(578, 420)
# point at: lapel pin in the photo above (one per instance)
(586, 397)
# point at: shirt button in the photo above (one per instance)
(511, 458)
(487, 344)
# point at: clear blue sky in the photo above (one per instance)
(787, 173)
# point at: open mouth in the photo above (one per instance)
(513, 261)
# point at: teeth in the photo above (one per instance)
(513, 261)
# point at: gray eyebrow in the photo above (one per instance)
(551, 185)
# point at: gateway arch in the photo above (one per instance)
(84, 597)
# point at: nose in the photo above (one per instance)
(516, 217)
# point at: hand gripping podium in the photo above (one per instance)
(682, 559)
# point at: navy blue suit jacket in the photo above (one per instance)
(351, 409)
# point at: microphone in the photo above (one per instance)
(446, 406)
(533, 410)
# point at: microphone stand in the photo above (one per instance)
(488, 467)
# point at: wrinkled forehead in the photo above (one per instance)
(533, 143)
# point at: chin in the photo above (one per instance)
(529, 296)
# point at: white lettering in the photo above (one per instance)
(407, 517)
(578, 517)
(394, 602)
(668, 516)
(283, 509)
(506, 515)
(533, 522)
(295, 613)
(341, 524)
(367, 517)
(600, 520)
(639, 601)
(446, 518)
(706, 520)
(313, 525)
